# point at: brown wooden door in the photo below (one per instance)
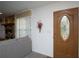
(69, 47)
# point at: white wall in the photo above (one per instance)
(43, 42)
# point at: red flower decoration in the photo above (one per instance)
(39, 26)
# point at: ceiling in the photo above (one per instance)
(12, 7)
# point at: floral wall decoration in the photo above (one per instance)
(39, 25)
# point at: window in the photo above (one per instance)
(65, 27)
(22, 26)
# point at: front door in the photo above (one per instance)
(66, 33)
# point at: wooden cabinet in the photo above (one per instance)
(9, 24)
(9, 19)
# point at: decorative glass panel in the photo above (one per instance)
(65, 27)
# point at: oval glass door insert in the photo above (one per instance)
(65, 28)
